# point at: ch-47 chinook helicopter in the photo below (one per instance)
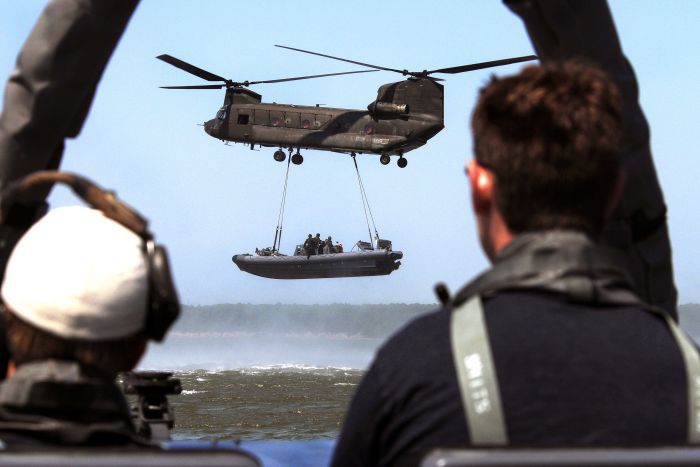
(403, 117)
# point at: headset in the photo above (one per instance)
(163, 302)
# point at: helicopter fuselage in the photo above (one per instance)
(404, 116)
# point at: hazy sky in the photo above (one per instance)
(208, 201)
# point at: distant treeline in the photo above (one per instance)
(371, 321)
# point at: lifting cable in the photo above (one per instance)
(280, 216)
(365, 202)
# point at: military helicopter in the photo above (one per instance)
(403, 117)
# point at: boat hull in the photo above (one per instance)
(351, 264)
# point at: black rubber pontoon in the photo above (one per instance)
(364, 262)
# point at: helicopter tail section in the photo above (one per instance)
(415, 97)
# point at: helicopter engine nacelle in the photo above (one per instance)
(387, 109)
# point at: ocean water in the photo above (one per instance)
(279, 402)
(283, 396)
(262, 386)
(219, 351)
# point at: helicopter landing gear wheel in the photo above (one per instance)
(384, 159)
(297, 159)
(279, 155)
(402, 162)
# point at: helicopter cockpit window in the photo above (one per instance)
(243, 119)
(221, 114)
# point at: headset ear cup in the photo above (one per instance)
(164, 305)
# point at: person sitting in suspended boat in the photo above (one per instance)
(318, 243)
(328, 246)
(383, 244)
(309, 247)
(338, 247)
(264, 251)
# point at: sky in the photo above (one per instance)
(208, 201)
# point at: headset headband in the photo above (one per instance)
(90, 192)
(163, 302)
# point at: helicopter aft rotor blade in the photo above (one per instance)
(204, 74)
(246, 83)
(403, 72)
(482, 65)
(201, 86)
(184, 66)
(425, 73)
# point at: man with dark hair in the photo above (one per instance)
(551, 138)
(550, 346)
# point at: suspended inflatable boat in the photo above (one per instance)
(365, 261)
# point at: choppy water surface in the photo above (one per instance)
(278, 380)
(291, 402)
(286, 376)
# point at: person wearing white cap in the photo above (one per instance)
(77, 294)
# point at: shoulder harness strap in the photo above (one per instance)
(476, 375)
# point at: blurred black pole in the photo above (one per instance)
(48, 96)
(562, 29)
(47, 99)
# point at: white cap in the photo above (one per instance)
(78, 275)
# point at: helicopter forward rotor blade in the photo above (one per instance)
(184, 66)
(482, 65)
(201, 86)
(306, 77)
(403, 72)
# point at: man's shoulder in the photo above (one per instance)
(418, 343)
(434, 325)
(428, 325)
(544, 303)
